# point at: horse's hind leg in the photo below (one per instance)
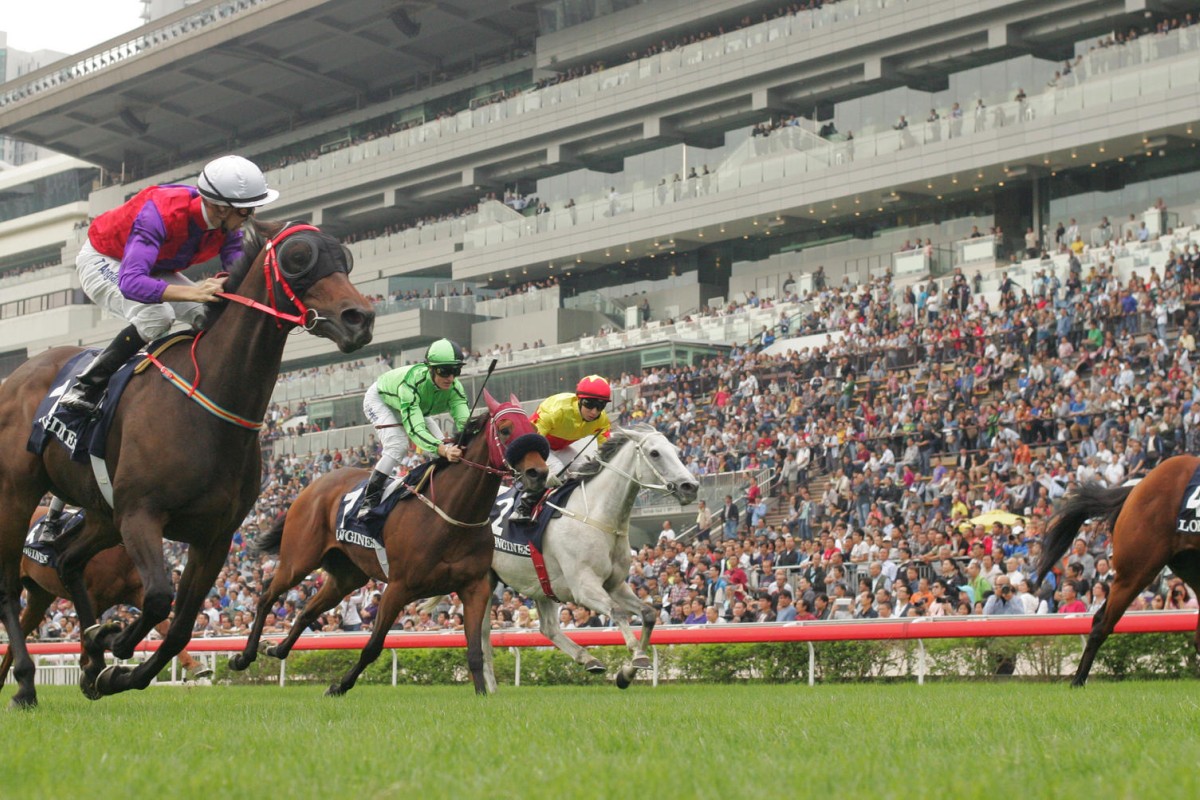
(142, 534)
(624, 599)
(37, 600)
(548, 623)
(12, 539)
(394, 599)
(343, 579)
(1125, 587)
(485, 639)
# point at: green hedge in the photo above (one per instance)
(1142, 656)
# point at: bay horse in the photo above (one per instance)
(586, 549)
(183, 455)
(111, 579)
(1145, 538)
(439, 545)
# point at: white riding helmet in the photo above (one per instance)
(234, 181)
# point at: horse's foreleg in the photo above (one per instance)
(198, 577)
(142, 534)
(394, 599)
(548, 624)
(475, 596)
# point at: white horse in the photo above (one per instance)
(586, 549)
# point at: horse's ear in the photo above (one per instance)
(512, 398)
(491, 401)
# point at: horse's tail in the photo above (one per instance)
(1087, 502)
(433, 602)
(269, 542)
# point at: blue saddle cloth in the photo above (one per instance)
(46, 553)
(368, 531)
(516, 537)
(1189, 507)
(81, 434)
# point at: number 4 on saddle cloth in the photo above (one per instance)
(46, 553)
(1189, 507)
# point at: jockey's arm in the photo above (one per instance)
(413, 420)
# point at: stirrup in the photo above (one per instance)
(48, 530)
(79, 399)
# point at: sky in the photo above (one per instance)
(69, 26)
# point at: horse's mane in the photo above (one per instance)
(592, 466)
(255, 235)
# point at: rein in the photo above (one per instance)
(487, 468)
(272, 275)
(610, 529)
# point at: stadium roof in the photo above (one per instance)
(198, 82)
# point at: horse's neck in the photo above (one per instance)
(610, 494)
(239, 359)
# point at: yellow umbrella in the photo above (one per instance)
(1003, 517)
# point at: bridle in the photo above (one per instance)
(607, 527)
(496, 456)
(272, 275)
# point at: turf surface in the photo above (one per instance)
(951, 740)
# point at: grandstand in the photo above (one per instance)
(642, 187)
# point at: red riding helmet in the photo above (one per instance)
(593, 386)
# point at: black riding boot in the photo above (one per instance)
(50, 527)
(524, 512)
(84, 395)
(373, 493)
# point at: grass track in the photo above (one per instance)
(956, 740)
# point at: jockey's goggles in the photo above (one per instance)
(593, 403)
(447, 372)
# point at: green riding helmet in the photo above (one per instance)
(444, 353)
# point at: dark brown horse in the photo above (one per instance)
(110, 578)
(436, 543)
(1145, 538)
(184, 464)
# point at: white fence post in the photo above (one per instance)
(812, 664)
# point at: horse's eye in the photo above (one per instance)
(654, 454)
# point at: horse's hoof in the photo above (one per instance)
(335, 690)
(202, 673)
(237, 663)
(265, 647)
(272, 651)
(641, 662)
(625, 677)
(595, 666)
(23, 701)
(96, 638)
(105, 680)
(87, 685)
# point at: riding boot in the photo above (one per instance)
(84, 395)
(373, 493)
(50, 527)
(524, 512)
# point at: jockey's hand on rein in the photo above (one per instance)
(206, 290)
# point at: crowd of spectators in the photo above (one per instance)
(931, 409)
